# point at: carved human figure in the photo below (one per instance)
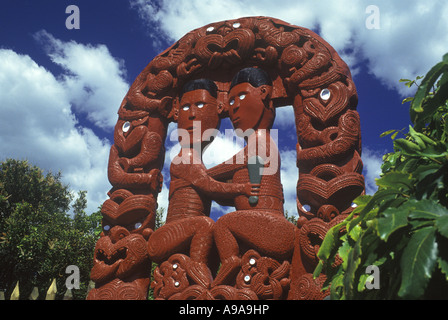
(258, 224)
(188, 226)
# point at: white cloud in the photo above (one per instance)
(37, 119)
(412, 35)
(93, 79)
(289, 174)
(372, 162)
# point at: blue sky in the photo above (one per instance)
(60, 89)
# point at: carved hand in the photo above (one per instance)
(251, 189)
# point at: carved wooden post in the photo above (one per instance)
(268, 257)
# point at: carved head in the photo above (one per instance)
(250, 105)
(128, 221)
(198, 112)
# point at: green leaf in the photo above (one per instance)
(362, 281)
(406, 146)
(432, 152)
(407, 100)
(393, 136)
(329, 243)
(423, 171)
(366, 244)
(443, 265)
(318, 269)
(395, 180)
(418, 263)
(410, 84)
(353, 262)
(387, 133)
(374, 201)
(427, 209)
(445, 58)
(426, 138)
(427, 82)
(361, 201)
(417, 138)
(355, 232)
(429, 179)
(343, 252)
(392, 219)
(442, 225)
(336, 284)
(409, 165)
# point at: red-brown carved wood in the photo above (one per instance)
(263, 256)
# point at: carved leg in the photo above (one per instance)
(193, 235)
(269, 234)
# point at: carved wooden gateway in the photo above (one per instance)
(242, 69)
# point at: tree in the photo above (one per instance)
(402, 230)
(158, 223)
(39, 239)
(293, 219)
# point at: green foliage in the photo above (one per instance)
(159, 222)
(291, 218)
(38, 237)
(403, 227)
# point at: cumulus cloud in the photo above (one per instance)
(289, 174)
(411, 37)
(38, 120)
(93, 79)
(372, 162)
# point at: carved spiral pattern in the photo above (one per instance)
(266, 277)
(196, 292)
(171, 277)
(308, 74)
(119, 290)
(310, 288)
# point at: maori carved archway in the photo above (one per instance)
(306, 73)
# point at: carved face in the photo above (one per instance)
(198, 115)
(247, 108)
(121, 250)
(119, 259)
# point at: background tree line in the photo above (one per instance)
(41, 233)
(44, 228)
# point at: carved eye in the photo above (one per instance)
(200, 105)
(185, 108)
(126, 126)
(232, 102)
(106, 227)
(138, 225)
(325, 94)
(242, 96)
